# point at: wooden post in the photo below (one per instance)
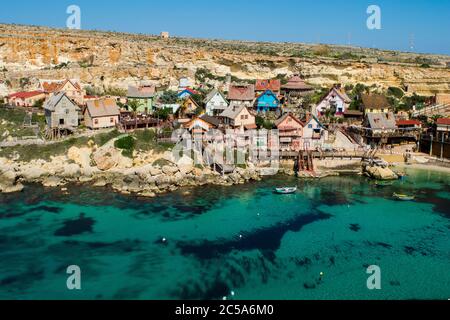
(431, 146)
(442, 147)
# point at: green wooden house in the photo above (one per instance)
(143, 96)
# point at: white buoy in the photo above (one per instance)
(164, 239)
(224, 298)
(232, 293)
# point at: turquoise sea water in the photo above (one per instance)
(244, 239)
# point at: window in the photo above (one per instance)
(67, 111)
(111, 120)
(310, 126)
(61, 121)
(95, 121)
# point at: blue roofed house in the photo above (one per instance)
(186, 93)
(267, 101)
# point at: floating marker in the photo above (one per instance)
(232, 293)
(224, 298)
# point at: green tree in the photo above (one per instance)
(198, 98)
(169, 97)
(39, 103)
(162, 114)
(23, 82)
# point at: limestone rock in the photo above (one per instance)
(380, 173)
(31, 173)
(81, 156)
(71, 170)
(185, 164)
(52, 182)
(11, 188)
(110, 157)
(169, 170)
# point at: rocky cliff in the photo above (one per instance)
(106, 59)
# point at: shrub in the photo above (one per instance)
(263, 123)
(112, 91)
(39, 103)
(161, 162)
(145, 136)
(126, 144)
(396, 92)
(322, 51)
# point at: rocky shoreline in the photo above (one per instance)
(147, 174)
(107, 166)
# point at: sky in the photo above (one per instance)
(421, 26)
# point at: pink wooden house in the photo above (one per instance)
(290, 131)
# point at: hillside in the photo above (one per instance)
(106, 59)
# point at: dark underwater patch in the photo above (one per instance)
(440, 205)
(394, 283)
(12, 214)
(355, 227)
(309, 285)
(195, 209)
(303, 262)
(409, 250)
(76, 227)
(333, 198)
(378, 244)
(264, 239)
(194, 291)
(332, 261)
(23, 279)
(98, 248)
(46, 208)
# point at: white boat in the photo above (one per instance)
(286, 190)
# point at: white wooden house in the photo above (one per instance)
(336, 100)
(61, 112)
(215, 103)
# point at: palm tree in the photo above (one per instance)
(134, 105)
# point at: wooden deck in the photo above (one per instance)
(139, 123)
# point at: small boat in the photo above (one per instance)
(384, 183)
(404, 197)
(286, 190)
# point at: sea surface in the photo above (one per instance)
(209, 242)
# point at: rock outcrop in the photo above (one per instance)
(380, 173)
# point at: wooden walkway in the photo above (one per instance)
(328, 155)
